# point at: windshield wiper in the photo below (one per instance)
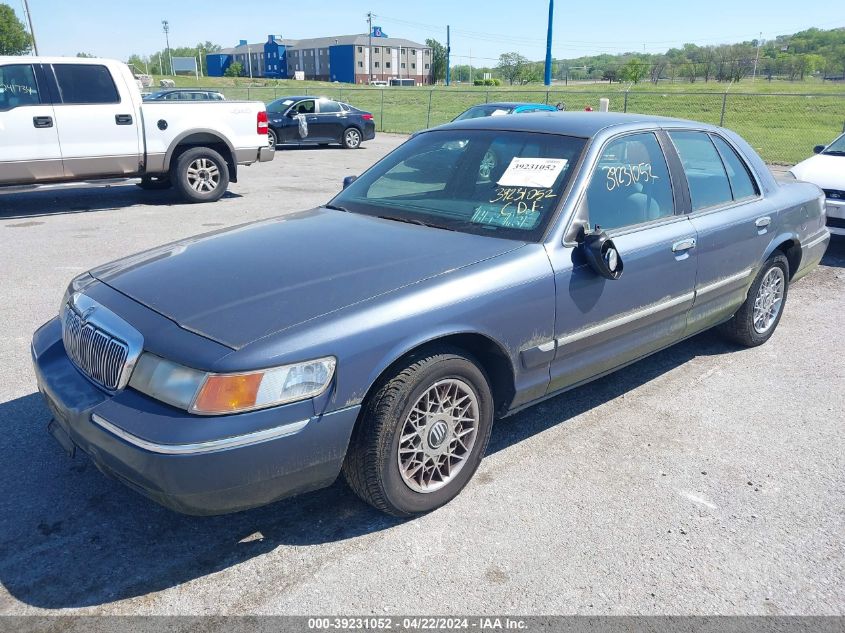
(835, 152)
(335, 207)
(415, 221)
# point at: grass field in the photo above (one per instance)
(783, 120)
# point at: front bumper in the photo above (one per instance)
(179, 463)
(835, 210)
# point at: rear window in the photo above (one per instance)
(329, 107)
(85, 83)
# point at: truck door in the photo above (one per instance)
(98, 130)
(29, 151)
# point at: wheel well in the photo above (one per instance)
(792, 250)
(205, 139)
(493, 360)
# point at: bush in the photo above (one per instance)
(477, 82)
(235, 69)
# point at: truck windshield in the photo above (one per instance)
(837, 148)
(490, 182)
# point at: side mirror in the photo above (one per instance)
(602, 255)
(349, 180)
(818, 149)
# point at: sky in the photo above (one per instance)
(480, 31)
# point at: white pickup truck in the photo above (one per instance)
(74, 119)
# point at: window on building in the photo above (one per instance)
(387, 64)
(387, 49)
(413, 51)
(360, 49)
(413, 65)
(376, 64)
(403, 51)
(403, 64)
(426, 66)
(427, 52)
(85, 83)
(375, 50)
(360, 64)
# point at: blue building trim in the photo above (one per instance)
(342, 63)
(217, 63)
(275, 59)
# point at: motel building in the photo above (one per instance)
(357, 59)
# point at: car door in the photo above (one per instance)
(291, 132)
(97, 128)
(601, 324)
(731, 220)
(29, 149)
(331, 121)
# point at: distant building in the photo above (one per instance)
(344, 58)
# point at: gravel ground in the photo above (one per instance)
(703, 480)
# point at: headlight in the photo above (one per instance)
(208, 394)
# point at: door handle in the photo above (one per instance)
(763, 222)
(683, 245)
(123, 119)
(42, 121)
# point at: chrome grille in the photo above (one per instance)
(98, 354)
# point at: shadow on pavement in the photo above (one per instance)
(835, 254)
(73, 538)
(41, 203)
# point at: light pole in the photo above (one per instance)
(166, 26)
(31, 30)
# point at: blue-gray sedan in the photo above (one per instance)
(480, 268)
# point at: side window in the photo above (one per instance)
(304, 107)
(18, 86)
(630, 185)
(708, 182)
(329, 107)
(742, 185)
(85, 83)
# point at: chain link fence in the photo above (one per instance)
(783, 128)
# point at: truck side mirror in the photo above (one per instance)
(818, 149)
(349, 180)
(602, 255)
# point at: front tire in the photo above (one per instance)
(352, 138)
(200, 175)
(758, 317)
(422, 434)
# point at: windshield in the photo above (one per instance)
(486, 182)
(476, 112)
(836, 148)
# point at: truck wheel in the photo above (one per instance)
(154, 183)
(422, 434)
(756, 320)
(200, 175)
(352, 138)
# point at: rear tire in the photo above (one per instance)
(352, 138)
(422, 433)
(200, 175)
(758, 317)
(154, 183)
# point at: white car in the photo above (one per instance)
(827, 170)
(76, 120)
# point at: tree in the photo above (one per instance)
(634, 70)
(438, 59)
(235, 69)
(86, 55)
(512, 66)
(14, 40)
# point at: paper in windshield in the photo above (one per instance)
(532, 172)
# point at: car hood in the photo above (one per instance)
(241, 284)
(823, 170)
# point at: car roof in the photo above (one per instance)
(509, 104)
(299, 98)
(582, 124)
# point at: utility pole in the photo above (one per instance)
(448, 60)
(757, 56)
(165, 25)
(370, 47)
(548, 77)
(470, 65)
(31, 30)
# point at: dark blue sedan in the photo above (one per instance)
(313, 120)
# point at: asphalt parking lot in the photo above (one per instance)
(704, 480)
